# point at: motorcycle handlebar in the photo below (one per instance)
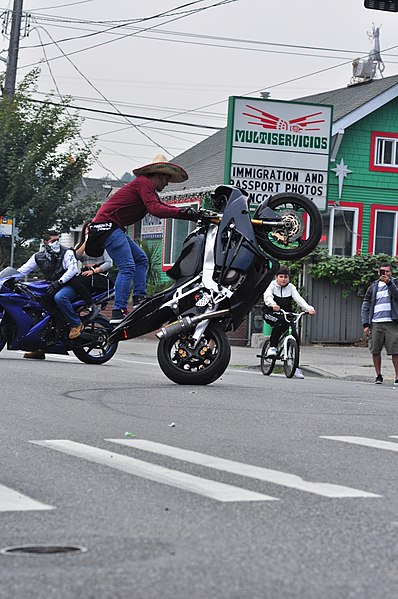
(215, 217)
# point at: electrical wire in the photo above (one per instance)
(106, 99)
(96, 159)
(132, 116)
(158, 16)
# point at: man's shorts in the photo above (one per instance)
(383, 334)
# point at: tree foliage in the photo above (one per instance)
(42, 160)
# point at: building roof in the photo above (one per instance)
(100, 188)
(354, 102)
(205, 161)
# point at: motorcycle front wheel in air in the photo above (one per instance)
(202, 365)
(300, 229)
(98, 349)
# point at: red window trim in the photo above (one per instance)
(372, 226)
(372, 166)
(359, 208)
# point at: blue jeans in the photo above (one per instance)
(132, 263)
(63, 299)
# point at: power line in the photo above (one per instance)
(80, 136)
(131, 116)
(106, 99)
(169, 12)
(129, 34)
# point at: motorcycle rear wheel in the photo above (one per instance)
(105, 351)
(300, 230)
(200, 366)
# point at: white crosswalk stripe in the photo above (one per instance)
(12, 501)
(375, 443)
(264, 474)
(181, 480)
(167, 476)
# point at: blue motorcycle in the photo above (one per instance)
(30, 321)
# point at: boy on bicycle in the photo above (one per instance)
(280, 294)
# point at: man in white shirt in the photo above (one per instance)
(58, 265)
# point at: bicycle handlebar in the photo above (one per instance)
(294, 316)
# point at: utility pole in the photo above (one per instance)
(13, 49)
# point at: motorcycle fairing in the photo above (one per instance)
(190, 261)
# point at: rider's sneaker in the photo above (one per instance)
(271, 352)
(35, 355)
(75, 331)
(378, 379)
(118, 316)
(137, 299)
(298, 374)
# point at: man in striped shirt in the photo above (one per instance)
(379, 316)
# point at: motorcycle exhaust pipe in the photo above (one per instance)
(186, 323)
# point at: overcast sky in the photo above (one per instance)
(118, 56)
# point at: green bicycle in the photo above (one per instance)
(287, 350)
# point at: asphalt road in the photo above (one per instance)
(253, 487)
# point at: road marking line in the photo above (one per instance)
(264, 474)
(12, 501)
(181, 480)
(376, 443)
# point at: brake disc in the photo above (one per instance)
(292, 227)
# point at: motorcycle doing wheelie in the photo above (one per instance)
(30, 321)
(225, 265)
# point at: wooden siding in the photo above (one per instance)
(338, 318)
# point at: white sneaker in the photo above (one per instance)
(271, 352)
(298, 374)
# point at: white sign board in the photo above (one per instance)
(5, 226)
(276, 146)
(152, 226)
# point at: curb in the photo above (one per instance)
(312, 372)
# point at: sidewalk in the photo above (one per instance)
(329, 361)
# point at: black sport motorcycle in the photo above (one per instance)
(225, 265)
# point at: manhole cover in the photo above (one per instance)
(42, 549)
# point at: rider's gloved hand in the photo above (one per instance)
(190, 214)
(53, 288)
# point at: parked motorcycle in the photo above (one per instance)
(30, 321)
(225, 265)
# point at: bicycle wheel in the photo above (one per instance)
(267, 364)
(291, 360)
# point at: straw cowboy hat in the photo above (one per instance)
(161, 166)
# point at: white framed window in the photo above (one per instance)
(175, 232)
(340, 231)
(385, 232)
(384, 152)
